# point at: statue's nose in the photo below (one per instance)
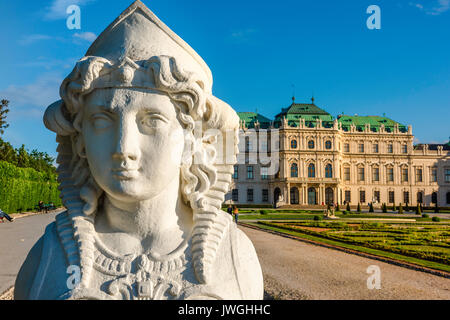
(127, 147)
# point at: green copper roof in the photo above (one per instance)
(374, 121)
(307, 111)
(250, 119)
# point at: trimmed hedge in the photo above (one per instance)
(22, 188)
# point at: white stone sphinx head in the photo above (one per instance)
(139, 130)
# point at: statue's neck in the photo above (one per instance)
(159, 224)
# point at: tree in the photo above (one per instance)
(400, 208)
(371, 207)
(384, 208)
(418, 209)
(3, 112)
(23, 158)
(359, 208)
(348, 207)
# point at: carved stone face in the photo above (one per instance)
(133, 141)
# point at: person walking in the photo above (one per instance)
(5, 215)
(236, 214)
(230, 210)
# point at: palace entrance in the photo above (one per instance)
(312, 196)
(329, 196)
(294, 195)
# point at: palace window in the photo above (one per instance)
(390, 174)
(294, 170)
(346, 173)
(434, 197)
(250, 195)
(294, 144)
(405, 175)
(419, 197)
(447, 175)
(362, 196)
(346, 147)
(248, 145)
(236, 172)
(361, 148)
(361, 174)
(391, 197)
(404, 148)
(235, 195)
(348, 196)
(311, 171)
(250, 172)
(375, 148)
(406, 197)
(265, 195)
(328, 171)
(376, 174)
(376, 196)
(419, 176)
(264, 173)
(390, 148)
(311, 144)
(328, 145)
(433, 174)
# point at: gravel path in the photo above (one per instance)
(294, 270)
(16, 240)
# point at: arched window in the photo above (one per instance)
(328, 171)
(311, 144)
(434, 197)
(294, 170)
(419, 197)
(311, 171)
(293, 144)
(328, 145)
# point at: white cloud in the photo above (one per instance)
(31, 99)
(88, 36)
(32, 38)
(436, 8)
(57, 10)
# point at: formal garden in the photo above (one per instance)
(421, 238)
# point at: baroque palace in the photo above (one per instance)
(325, 160)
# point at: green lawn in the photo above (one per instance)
(422, 244)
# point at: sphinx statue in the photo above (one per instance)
(145, 157)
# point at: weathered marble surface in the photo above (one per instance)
(146, 154)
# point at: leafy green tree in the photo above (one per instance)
(348, 207)
(3, 112)
(7, 152)
(384, 208)
(400, 209)
(371, 208)
(23, 158)
(359, 208)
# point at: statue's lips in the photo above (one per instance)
(125, 174)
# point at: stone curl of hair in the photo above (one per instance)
(203, 181)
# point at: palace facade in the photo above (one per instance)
(347, 159)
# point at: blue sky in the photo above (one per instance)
(257, 51)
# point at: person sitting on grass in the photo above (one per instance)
(5, 215)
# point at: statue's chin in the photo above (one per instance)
(129, 191)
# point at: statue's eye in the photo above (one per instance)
(101, 121)
(153, 121)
